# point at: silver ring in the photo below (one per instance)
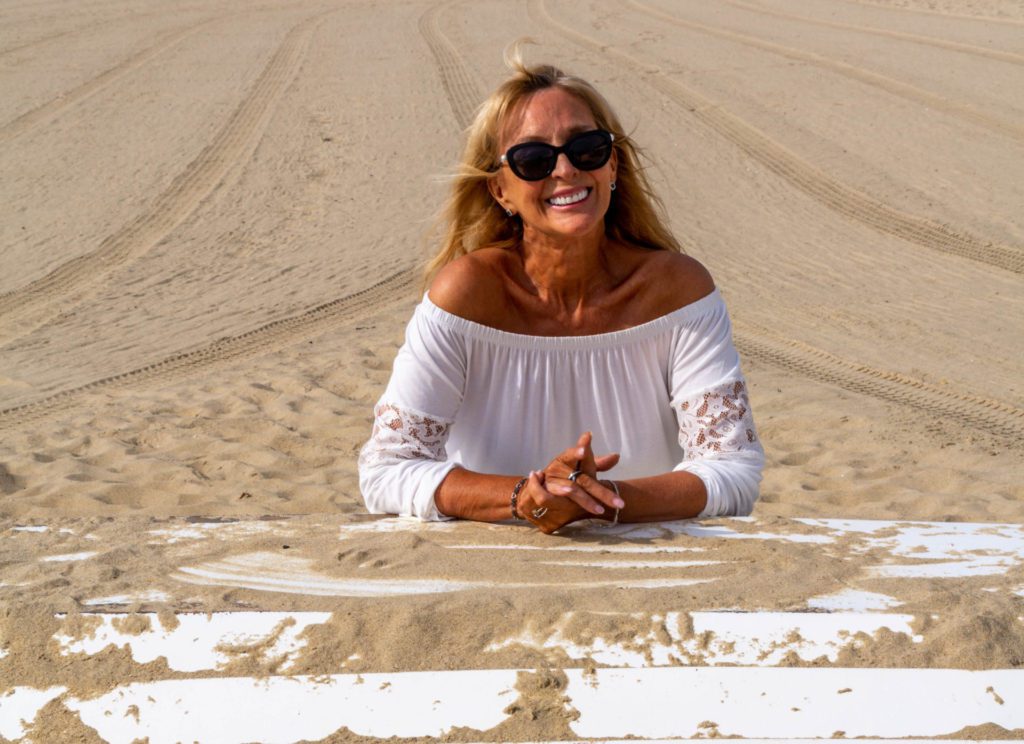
(539, 512)
(575, 474)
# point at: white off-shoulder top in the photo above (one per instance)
(668, 395)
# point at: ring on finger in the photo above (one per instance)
(574, 475)
(539, 512)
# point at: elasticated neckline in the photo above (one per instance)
(651, 328)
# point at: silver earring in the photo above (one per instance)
(508, 211)
(612, 186)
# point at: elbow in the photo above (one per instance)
(746, 489)
(732, 485)
(372, 491)
(746, 499)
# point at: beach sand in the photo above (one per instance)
(213, 220)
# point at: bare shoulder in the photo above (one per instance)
(674, 280)
(472, 286)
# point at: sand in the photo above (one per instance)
(213, 218)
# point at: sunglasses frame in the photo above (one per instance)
(508, 158)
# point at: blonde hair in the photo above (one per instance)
(472, 219)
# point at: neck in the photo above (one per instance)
(566, 274)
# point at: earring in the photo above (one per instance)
(508, 211)
(612, 186)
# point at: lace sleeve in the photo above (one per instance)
(404, 461)
(403, 435)
(716, 429)
(716, 421)
(721, 447)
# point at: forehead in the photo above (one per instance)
(549, 115)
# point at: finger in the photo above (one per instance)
(569, 458)
(537, 490)
(607, 462)
(587, 461)
(578, 496)
(600, 492)
(558, 510)
(538, 496)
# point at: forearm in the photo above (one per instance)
(677, 495)
(468, 495)
(486, 498)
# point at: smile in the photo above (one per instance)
(564, 200)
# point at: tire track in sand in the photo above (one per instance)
(935, 12)
(50, 37)
(889, 85)
(845, 200)
(462, 95)
(28, 307)
(988, 415)
(254, 343)
(956, 46)
(52, 109)
(1001, 420)
(459, 86)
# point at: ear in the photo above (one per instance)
(614, 163)
(494, 186)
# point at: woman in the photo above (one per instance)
(561, 318)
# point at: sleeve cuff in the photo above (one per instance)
(731, 485)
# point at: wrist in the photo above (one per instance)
(612, 486)
(514, 500)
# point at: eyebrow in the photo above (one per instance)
(573, 130)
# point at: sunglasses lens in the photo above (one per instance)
(532, 162)
(590, 151)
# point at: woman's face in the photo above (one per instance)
(554, 115)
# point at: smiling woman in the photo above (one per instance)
(561, 318)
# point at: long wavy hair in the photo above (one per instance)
(471, 219)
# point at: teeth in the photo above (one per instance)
(561, 201)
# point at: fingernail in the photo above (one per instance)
(581, 451)
(619, 503)
(600, 509)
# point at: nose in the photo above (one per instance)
(563, 167)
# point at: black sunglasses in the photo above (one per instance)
(533, 161)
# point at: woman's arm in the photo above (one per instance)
(720, 470)
(676, 495)
(405, 458)
(487, 498)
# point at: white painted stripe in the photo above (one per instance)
(720, 638)
(792, 702)
(402, 524)
(775, 703)
(617, 548)
(151, 596)
(853, 600)
(653, 530)
(630, 564)
(200, 640)
(214, 575)
(69, 557)
(19, 707)
(978, 566)
(287, 709)
(293, 575)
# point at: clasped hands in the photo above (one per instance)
(550, 500)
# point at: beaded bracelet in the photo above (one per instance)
(515, 497)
